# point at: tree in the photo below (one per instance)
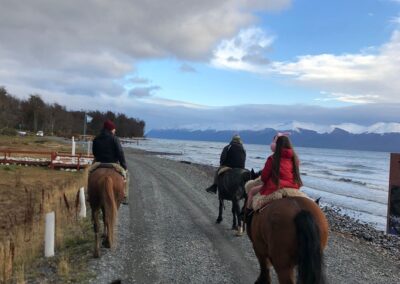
(33, 111)
(34, 114)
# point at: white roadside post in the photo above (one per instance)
(82, 212)
(73, 146)
(49, 235)
(88, 147)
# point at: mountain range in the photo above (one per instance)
(336, 139)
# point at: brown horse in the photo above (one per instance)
(286, 233)
(105, 192)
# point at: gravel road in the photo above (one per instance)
(167, 234)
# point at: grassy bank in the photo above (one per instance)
(26, 195)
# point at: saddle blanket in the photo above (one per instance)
(114, 166)
(259, 201)
(223, 169)
(252, 183)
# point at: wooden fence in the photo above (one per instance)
(54, 160)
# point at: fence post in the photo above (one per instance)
(82, 212)
(73, 146)
(52, 158)
(49, 235)
(88, 147)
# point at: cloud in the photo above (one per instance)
(395, 20)
(164, 113)
(246, 51)
(186, 68)
(138, 80)
(358, 78)
(370, 76)
(348, 98)
(98, 41)
(143, 92)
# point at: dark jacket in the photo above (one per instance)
(233, 156)
(107, 149)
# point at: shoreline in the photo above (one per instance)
(338, 222)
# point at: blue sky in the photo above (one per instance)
(305, 28)
(191, 63)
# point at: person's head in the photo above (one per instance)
(285, 142)
(236, 139)
(282, 141)
(109, 125)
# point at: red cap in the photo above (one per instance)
(109, 125)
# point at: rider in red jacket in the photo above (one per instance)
(281, 169)
(286, 173)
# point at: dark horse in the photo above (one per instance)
(231, 187)
(286, 233)
(105, 192)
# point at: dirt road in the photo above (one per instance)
(168, 234)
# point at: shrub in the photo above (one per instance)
(8, 131)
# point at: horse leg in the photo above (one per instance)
(105, 232)
(104, 236)
(95, 218)
(240, 227)
(235, 213)
(221, 207)
(265, 275)
(286, 276)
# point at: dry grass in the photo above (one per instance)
(63, 267)
(34, 143)
(26, 195)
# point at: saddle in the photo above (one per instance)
(261, 201)
(223, 169)
(114, 166)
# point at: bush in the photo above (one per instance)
(8, 131)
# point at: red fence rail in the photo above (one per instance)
(54, 160)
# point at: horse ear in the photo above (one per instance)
(252, 171)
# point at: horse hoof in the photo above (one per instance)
(96, 254)
(239, 234)
(219, 220)
(106, 243)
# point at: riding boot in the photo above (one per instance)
(126, 190)
(212, 188)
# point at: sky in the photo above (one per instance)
(233, 64)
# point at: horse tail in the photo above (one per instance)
(310, 258)
(110, 208)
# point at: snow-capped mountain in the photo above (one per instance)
(377, 137)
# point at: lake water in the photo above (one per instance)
(355, 181)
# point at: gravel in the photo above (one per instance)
(168, 234)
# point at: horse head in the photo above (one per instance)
(254, 175)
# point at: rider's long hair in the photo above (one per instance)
(281, 143)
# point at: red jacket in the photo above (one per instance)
(286, 176)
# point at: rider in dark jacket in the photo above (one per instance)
(233, 155)
(106, 146)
